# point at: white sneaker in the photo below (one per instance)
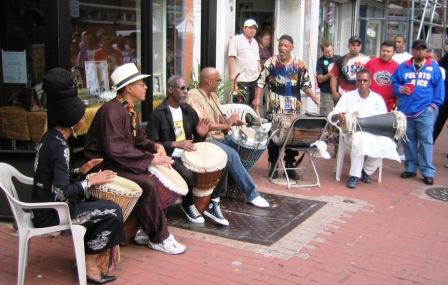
(178, 244)
(141, 237)
(259, 202)
(169, 245)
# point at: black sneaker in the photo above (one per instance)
(352, 182)
(193, 214)
(292, 174)
(365, 177)
(214, 212)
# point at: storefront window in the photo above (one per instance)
(105, 34)
(176, 42)
(371, 27)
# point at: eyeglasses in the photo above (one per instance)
(183, 88)
(217, 80)
(140, 84)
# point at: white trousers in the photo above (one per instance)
(370, 165)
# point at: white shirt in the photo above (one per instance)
(179, 132)
(401, 57)
(247, 55)
(364, 143)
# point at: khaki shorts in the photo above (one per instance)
(326, 103)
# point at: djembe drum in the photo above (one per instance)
(170, 185)
(207, 162)
(250, 143)
(120, 190)
(392, 124)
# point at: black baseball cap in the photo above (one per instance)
(354, 39)
(419, 44)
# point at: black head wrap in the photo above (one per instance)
(68, 111)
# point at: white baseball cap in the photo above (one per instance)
(250, 23)
(125, 75)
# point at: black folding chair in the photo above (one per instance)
(302, 133)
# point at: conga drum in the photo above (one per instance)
(207, 162)
(170, 185)
(120, 190)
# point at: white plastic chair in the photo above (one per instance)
(240, 109)
(344, 148)
(25, 225)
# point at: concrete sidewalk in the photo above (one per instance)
(382, 233)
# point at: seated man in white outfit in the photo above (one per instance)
(362, 102)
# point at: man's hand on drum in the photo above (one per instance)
(187, 145)
(340, 117)
(234, 120)
(89, 165)
(162, 160)
(203, 127)
(160, 150)
(101, 177)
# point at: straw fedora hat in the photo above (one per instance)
(125, 75)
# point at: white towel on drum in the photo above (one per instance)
(364, 143)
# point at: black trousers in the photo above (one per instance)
(190, 178)
(274, 152)
(249, 88)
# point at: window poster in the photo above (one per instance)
(14, 67)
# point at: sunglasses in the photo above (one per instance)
(183, 88)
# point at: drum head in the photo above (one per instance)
(206, 158)
(125, 187)
(170, 178)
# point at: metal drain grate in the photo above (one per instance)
(251, 224)
(439, 193)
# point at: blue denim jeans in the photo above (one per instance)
(242, 178)
(418, 149)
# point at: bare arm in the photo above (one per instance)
(310, 93)
(257, 99)
(232, 67)
(334, 88)
(322, 78)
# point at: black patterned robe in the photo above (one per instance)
(53, 183)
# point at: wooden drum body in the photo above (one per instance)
(207, 162)
(122, 191)
(170, 185)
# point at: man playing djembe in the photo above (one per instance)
(361, 103)
(114, 137)
(205, 102)
(176, 126)
(286, 76)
